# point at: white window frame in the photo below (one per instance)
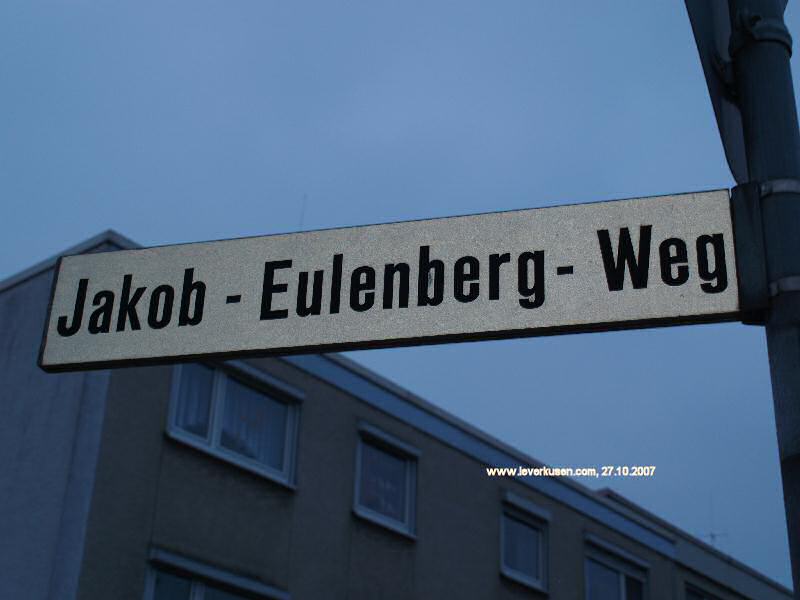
(521, 509)
(201, 575)
(264, 383)
(620, 560)
(369, 434)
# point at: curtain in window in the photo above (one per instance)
(603, 583)
(194, 399)
(212, 593)
(383, 482)
(521, 547)
(634, 590)
(254, 425)
(171, 587)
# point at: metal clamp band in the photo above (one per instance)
(779, 186)
(760, 29)
(785, 284)
(790, 283)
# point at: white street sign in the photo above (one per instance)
(573, 268)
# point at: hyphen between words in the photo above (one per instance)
(470, 278)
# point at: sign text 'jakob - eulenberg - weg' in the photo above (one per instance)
(428, 280)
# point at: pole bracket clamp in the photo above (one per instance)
(784, 284)
(752, 27)
(789, 283)
(779, 186)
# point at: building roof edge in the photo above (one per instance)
(109, 236)
(606, 498)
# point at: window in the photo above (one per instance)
(692, 593)
(175, 577)
(607, 583)
(241, 415)
(168, 586)
(613, 573)
(385, 482)
(523, 542)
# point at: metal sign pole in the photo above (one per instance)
(760, 48)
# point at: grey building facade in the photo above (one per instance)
(303, 477)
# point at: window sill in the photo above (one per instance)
(229, 458)
(523, 579)
(384, 522)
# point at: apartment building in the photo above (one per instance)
(304, 478)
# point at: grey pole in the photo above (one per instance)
(760, 50)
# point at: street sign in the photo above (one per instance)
(584, 267)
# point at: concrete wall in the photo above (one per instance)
(49, 433)
(154, 491)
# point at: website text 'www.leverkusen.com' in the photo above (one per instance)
(602, 471)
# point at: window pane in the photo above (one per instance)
(383, 482)
(171, 587)
(194, 399)
(693, 595)
(634, 590)
(603, 583)
(254, 425)
(212, 593)
(521, 546)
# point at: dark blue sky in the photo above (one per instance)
(187, 121)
